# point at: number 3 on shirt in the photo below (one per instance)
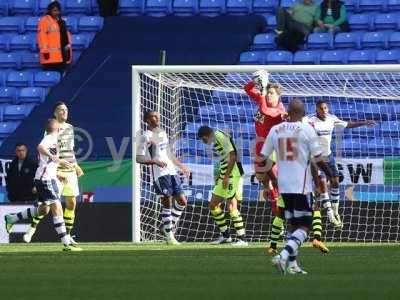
(288, 149)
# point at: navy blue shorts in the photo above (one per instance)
(298, 209)
(330, 160)
(47, 191)
(168, 185)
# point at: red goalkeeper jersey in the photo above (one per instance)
(266, 117)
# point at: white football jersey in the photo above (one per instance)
(154, 145)
(324, 129)
(295, 143)
(47, 169)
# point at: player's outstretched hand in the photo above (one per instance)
(186, 171)
(65, 164)
(160, 163)
(261, 78)
(370, 123)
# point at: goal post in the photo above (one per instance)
(214, 95)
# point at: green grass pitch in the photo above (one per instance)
(195, 271)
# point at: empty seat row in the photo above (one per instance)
(377, 56)
(6, 128)
(39, 7)
(29, 79)
(15, 112)
(13, 95)
(75, 24)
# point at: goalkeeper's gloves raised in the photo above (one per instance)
(261, 78)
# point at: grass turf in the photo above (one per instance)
(195, 271)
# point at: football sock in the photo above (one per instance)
(59, 226)
(335, 207)
(219, 218)
(296, 239)
(36, 220)
(317, 225)
(177, 211)
(335, 195)
(166, 216)
(238, 223)
(23, 215)
(329, 211)
(69, 217)
(276, 230)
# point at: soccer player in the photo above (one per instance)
(154, 150)
(324, 124)
(270, 112)
(46, 183)
(295, 143)
(70, 188)
(228, 185)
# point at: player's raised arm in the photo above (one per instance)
(355, 124)
(257, 86)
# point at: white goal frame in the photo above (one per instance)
(136, 100)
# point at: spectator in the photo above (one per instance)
(331, 17)
(20, 176)
(108, 8)
(54, 40)
(294, 24)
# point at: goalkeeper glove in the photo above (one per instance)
(261, 78)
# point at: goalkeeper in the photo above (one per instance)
(228, 185)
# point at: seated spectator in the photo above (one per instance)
(54, 40)
(294, 24)
(20, 176)
(331, 17)
(108, 8)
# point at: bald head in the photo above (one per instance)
(296, 110)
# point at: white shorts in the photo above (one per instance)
(70, 188)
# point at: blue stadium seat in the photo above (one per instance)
(131, 7)
(77, 7)
(361, 57)
(264, 41)
(212, 8)
(31, 24)
(31, 95)
(360, 21)
(388, 57)
(306, 57)
(393, 5)
(10, 61)
(19, 79)
(92, 23)
(185, 8)
(320, 41)
(348, 40)
(6, 128)
(279, 58)
(287, 3)
(374, 40)
(72, 23)
(271, 22)
(25, 42)
(264, 6)
(8, 95)
(17, 112)
(4, 43)
(158, 8)
(394, 40)
(351, 5)
(21, 7)
(389, 21)
(334, 57)
(252, 58)
(372, 5)
(46, 79)
(3, 8)
(12, 24)
(42, 5)
(238, 7)
(75, 56)
(30, 60)
(80, 42)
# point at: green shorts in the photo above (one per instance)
(234, 189)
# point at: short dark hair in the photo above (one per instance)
(319, 102)
(204, 131)
(20, 145)
(52, 5)
(147, 113)
(58, 103)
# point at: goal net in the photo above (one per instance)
(368, 158)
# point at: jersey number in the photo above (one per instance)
(288, 149)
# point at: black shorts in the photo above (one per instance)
(298, 209)
(168, 185)
(47, 191)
